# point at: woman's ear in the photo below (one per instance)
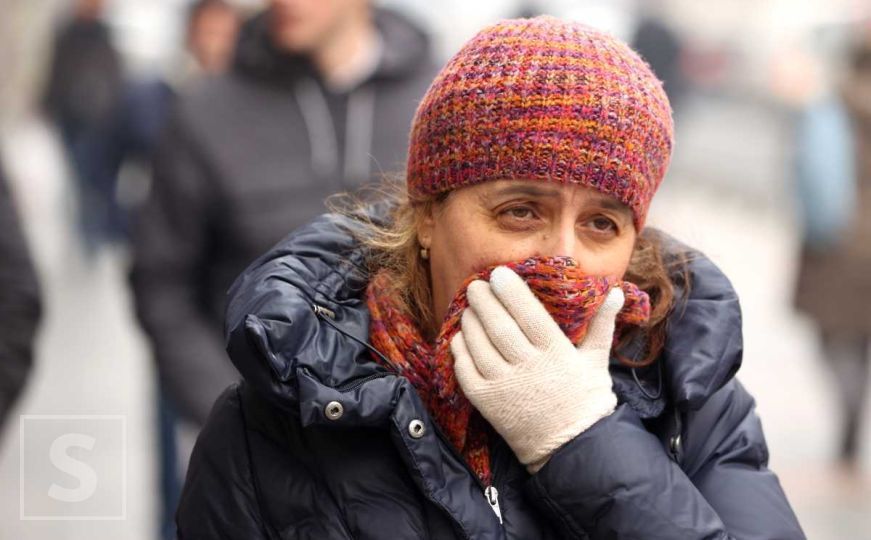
(425, 226)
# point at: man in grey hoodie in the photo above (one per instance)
(319, 100)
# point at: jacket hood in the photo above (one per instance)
(406, 49)
(297, 329)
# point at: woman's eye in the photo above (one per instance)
(520, 212)
(517, 218)
(603, 224)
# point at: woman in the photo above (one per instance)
(448, 372)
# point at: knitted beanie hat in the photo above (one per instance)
(544, 99)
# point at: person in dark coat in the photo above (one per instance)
(210, 38)
(316, 102)
(84, 96)
(20, 305)
(503, 350)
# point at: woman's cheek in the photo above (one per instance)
(490, 253)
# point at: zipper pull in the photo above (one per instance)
(322, 312)
(492, 496)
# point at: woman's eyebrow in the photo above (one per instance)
(609, 203)
(526, 190)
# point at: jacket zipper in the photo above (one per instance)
(491, 494)
(496, 460)
(323, 312)
(353, 385)
(328, 316)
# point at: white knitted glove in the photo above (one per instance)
(523, 374)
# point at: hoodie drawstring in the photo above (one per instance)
(322, 135)
(358, 133)
(319, 126)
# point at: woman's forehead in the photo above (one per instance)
(539, 189)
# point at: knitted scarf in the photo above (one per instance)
(571, 298)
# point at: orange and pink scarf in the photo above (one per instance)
(570, 296)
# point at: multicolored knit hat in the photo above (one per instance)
(549, 100)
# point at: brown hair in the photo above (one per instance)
(393, 247)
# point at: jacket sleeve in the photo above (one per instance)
(171, 246)
(616, 480)
(727, 460)
(220, 500)
(19, 304)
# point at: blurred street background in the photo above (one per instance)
(746, 67)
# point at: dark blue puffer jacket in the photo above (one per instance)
(279, 459)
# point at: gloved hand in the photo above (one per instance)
(523, 374)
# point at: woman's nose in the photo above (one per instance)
(562, 240)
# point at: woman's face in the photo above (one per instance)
(507, 220)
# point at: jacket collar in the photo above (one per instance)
(704, 343)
